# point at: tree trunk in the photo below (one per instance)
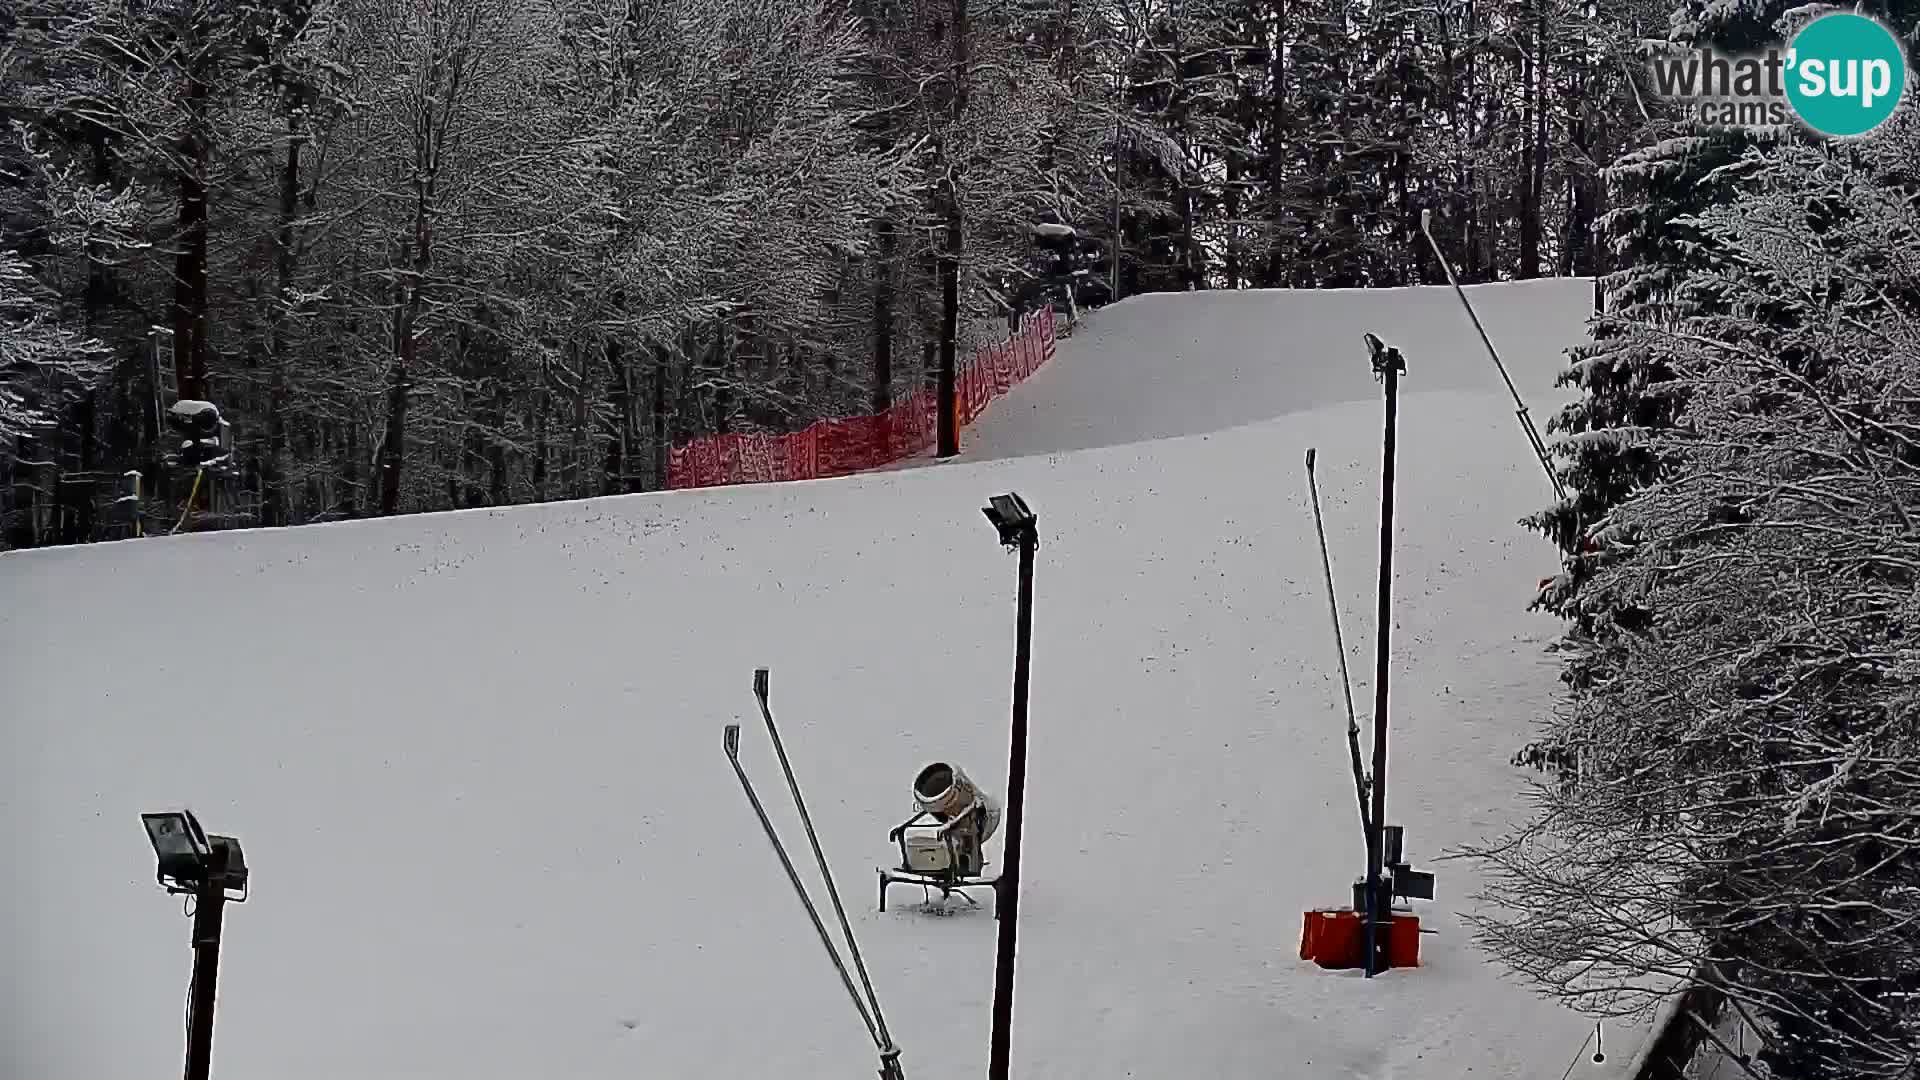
(882, 396)
(393, 443)
(497, 493)
(353, 487)
(190, 260)
(541, 403)
(1577, 255)
(1470, 193)
(1235, 169)
(661, 447)
(947, 422)
(273, 501)
(1533, 120)
(577, 484)
(620, 396)
(722, 367)
(1277, 146)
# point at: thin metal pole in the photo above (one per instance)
(760, 677)
(1526, 422)
(209, 904)
(731, 740)
(1340, 649)
(1006, 904)
(153, 374)
(1113, 286)
(1377, 904)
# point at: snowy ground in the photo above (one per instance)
(475, 758)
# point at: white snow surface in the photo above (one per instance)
(475, 758)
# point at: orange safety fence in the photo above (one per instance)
(853, 444)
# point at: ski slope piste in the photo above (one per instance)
(475, 757)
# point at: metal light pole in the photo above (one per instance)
(1388, 365)
(209, 905)
(203, 867)
(1018, 528)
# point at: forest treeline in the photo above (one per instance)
(426, 254)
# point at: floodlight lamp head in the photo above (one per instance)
(187, 860)
(1011, 517)
(1384, 357)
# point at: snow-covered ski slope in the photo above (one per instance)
(475, 758)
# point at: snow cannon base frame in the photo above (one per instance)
(965, 862)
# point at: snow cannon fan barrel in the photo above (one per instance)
(945, 792)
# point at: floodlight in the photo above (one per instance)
(187, 860)
(1385, 357)
(1010, 515)
(205, 868)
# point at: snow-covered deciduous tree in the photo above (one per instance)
(40, 360)
(626, 224)
(47, 357)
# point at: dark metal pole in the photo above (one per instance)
(209, 904)
(1388, 364)
(1006, 904)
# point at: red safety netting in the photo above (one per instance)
(856, 443)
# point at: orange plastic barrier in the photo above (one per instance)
(1335, 938)
(857, 443)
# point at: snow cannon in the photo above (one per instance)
(941, 844)
(207, 436)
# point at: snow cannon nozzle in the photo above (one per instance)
(1426, 221)
(731, 740)
(1309, 458)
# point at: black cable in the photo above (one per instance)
(188, 908)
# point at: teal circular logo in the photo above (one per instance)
(1846, 73)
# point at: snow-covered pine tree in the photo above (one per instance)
(1740, 807)
(1627, 387)
(1625, 375)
